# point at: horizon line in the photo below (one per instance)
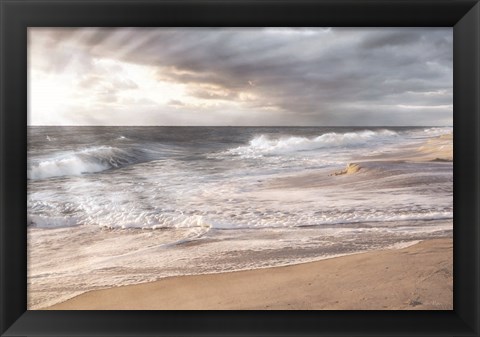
(245, 126)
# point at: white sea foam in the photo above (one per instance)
(266, 145)
(401, 245)
(64, 166)
(52, 221)
(88, 160)
(124, 212)
(437, 131)
(114, 217)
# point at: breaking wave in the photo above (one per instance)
(266, 145)
(89, 160)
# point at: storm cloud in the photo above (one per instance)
(241, 76)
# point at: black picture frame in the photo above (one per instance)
(17, 15)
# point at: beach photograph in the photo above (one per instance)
(262, 168)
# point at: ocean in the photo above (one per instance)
(110, 206)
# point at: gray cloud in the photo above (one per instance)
(338, 76)
(396, 38)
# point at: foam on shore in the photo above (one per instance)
(417, 277)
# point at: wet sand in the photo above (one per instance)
(418, 277)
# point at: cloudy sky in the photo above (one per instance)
(240, 76)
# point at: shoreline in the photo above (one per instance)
(418, 277)
(144, 293)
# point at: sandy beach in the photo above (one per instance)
(418, 277)
(359, 262)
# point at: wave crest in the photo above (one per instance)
(265, 145)
(90, 160)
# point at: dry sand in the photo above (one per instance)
(416, 277)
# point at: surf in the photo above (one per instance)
(268, 145)
(89, 160)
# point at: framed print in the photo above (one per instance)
(189, 171)
(240, 168)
